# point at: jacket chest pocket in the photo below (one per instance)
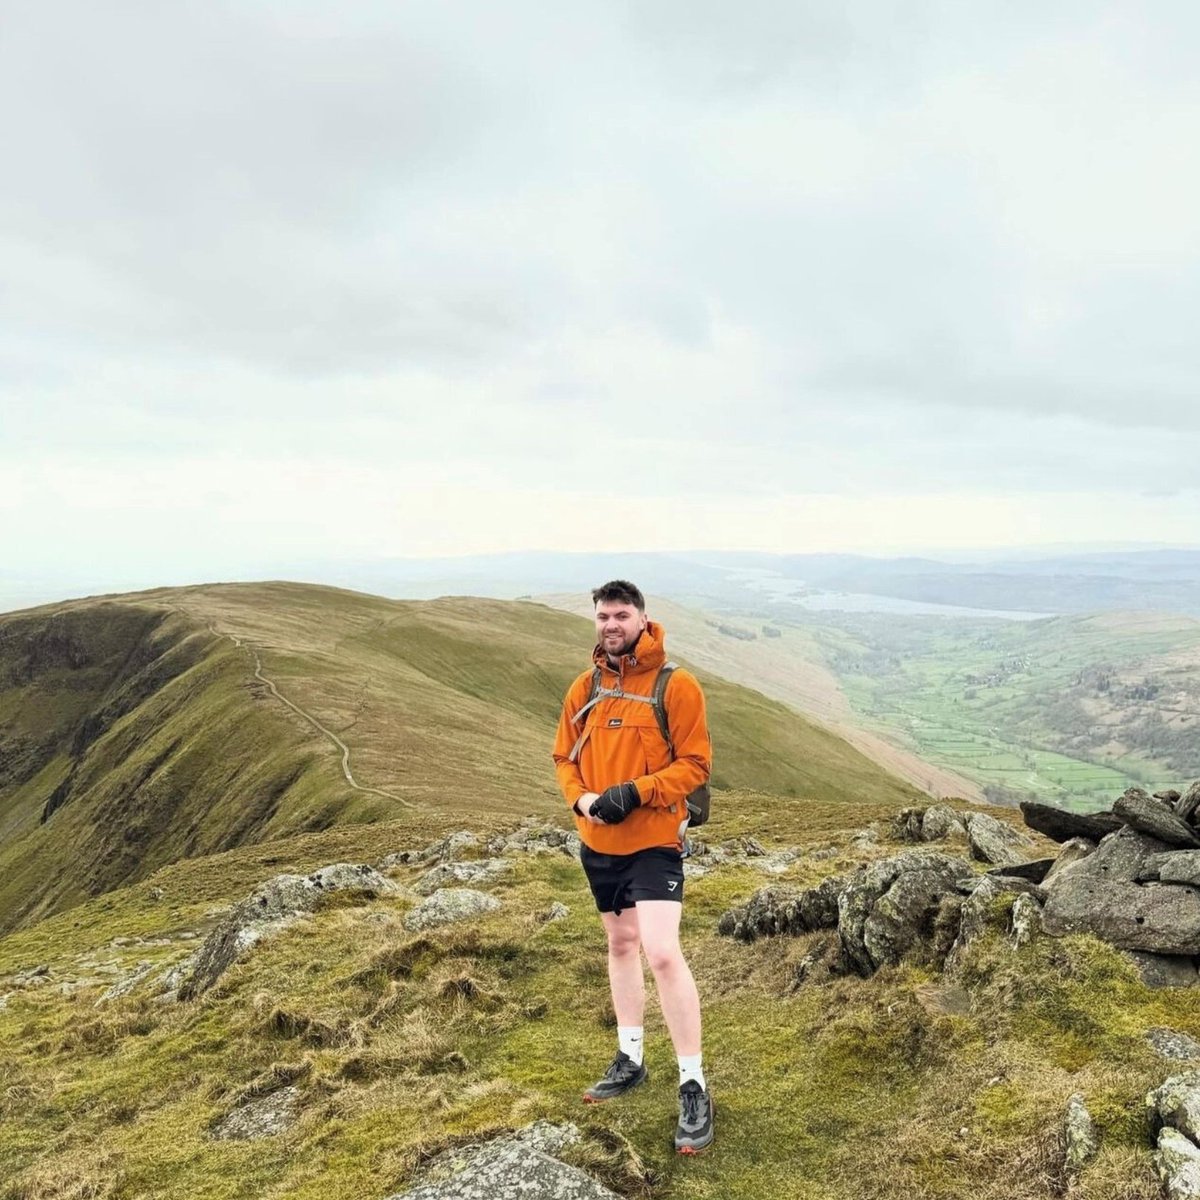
(629, 734)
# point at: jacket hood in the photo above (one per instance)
(648, 655)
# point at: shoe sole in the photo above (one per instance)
(616, 1096)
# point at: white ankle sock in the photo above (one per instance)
(629, 1041)
(690, 1068)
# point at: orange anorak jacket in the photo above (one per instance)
(623, 743)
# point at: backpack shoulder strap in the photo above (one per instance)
(659, 702)
(593, 696)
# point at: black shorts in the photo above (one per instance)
(620, 880)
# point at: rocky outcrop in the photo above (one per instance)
(888, 909)
(273, 906)
(1156, 818)
(522, 1164)
(772, 911)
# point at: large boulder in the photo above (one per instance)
(889, 909)
(1061, 826)
(1144, 813)
(1099, 895)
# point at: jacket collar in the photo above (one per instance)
(648, 655)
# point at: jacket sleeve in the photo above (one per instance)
(688, 723)
(570, 781)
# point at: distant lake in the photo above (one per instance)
(861, 602)
(794, 591)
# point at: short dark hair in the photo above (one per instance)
(620, 590)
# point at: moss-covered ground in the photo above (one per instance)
(901, 1085)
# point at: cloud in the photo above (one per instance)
(680, 250)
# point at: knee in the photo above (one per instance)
(623, 945)
(663, 957)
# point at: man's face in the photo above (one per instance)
(618, 626)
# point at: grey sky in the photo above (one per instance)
(449, 277)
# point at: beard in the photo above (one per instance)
(627, 648)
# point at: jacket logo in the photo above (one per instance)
(672, 884)
(613, 722)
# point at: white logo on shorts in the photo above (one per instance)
(673, 884)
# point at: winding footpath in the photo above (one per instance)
(333, 737)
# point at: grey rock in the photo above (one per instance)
(1082, 1139)
(992, 841)
(448, 906)
(520, 1165)
(535, 838)
(1172, 1044)
(1163, 970)
(264, 1116)
(1175, 866)
(941, 821)
(353, 877)
(772, 911)
(447, 849)
(1153, 817)
(124, 986)
(1098, 895)
(864, 838)
(1061, 826)
(975, 913)
(1177, 1161)
(1026, 919)
(272, 907)
(1171, 796)
(474, 871)
(556, 912)
(1176, 1103)
(887, 909)
(1189, 804)
(1073, 850)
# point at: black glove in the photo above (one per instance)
(614, 804)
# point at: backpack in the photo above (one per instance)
(698, 800)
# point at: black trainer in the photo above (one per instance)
(622, 1074)
(695, 1129)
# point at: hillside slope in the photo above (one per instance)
(135, 730)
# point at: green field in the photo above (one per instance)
(1071, 710)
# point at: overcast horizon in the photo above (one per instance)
(297, 283)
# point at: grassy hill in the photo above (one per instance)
(137, 730)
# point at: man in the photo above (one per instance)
(628, 793)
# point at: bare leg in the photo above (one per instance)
(658, 924)
(625, 966)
